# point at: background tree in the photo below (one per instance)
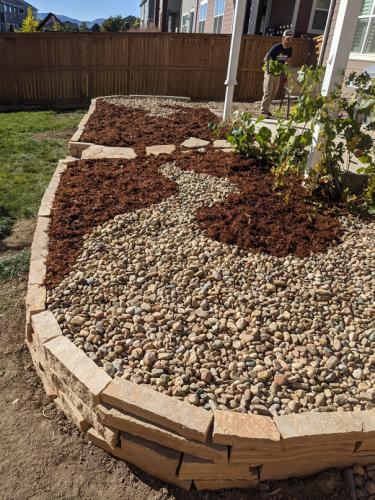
(29, 24)
(95, 28)
(114, 23)
(83, 27)
(130, 22)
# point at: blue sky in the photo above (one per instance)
(87, 10)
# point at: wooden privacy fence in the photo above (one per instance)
(60, 68)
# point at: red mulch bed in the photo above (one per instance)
(259, 218)
(113, 125)
(92, 192)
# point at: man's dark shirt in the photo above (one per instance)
(279, 53)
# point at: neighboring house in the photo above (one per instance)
(160, 15)
(12, 13)
(363, 51)
(263, 17)
(149, 16)
(50, 22)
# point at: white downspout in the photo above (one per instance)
(234, 54)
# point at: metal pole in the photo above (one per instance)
(235, 46)
(338, 58)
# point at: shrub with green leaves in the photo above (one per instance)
(343, 137)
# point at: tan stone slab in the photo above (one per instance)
(76, 148)
(222, 144)
(368, 420)
(169, 412)
(245, 430)
(193, 143)
(37, 271)
(35, 300)
(39, 247)
(316, 427)
(296, 453)
(160, 150)
(367, 442)
(197, 468)
(142, 428)
(157, 460)
(39, 365)
(96, 152)
(45, 326)
(72, 413)
(284, 469)
(153, 460)
(112, 436)
(366, 445)
(203, 485)
(80, 372)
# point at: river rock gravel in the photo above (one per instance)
(155, 301)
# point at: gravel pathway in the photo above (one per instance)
(165, 107)
(152, 299)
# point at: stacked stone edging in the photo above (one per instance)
(170, 439)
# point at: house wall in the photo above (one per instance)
(281, 12)
(303, 19)
(228, 16)
(147, 13)
(227, 20)
(354, 65)
(331, 31)
(210, 16)
(10, 15)
(186, 7)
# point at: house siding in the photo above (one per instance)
(281, 12)
(354, 65)
(227, 19)
(304, 14)
(228, 16)
(10, 14)
(186, 7)
(210, 17)
(331, 31)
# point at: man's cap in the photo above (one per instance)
(288, 33)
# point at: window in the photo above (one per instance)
(364, 38)
(191, 21)
(22, 10)
(218, 15)
(184, 23)
(319, 15)
(202, 16)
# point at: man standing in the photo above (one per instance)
(279, 52)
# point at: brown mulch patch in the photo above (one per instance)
(112, 125)
(92, 192)
(259, 218)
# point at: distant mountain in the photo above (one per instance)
(66, 19)
(95, 21)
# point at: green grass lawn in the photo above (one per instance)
(31, 143)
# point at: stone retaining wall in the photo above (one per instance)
(172, 440)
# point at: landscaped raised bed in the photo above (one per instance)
(199, 325)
